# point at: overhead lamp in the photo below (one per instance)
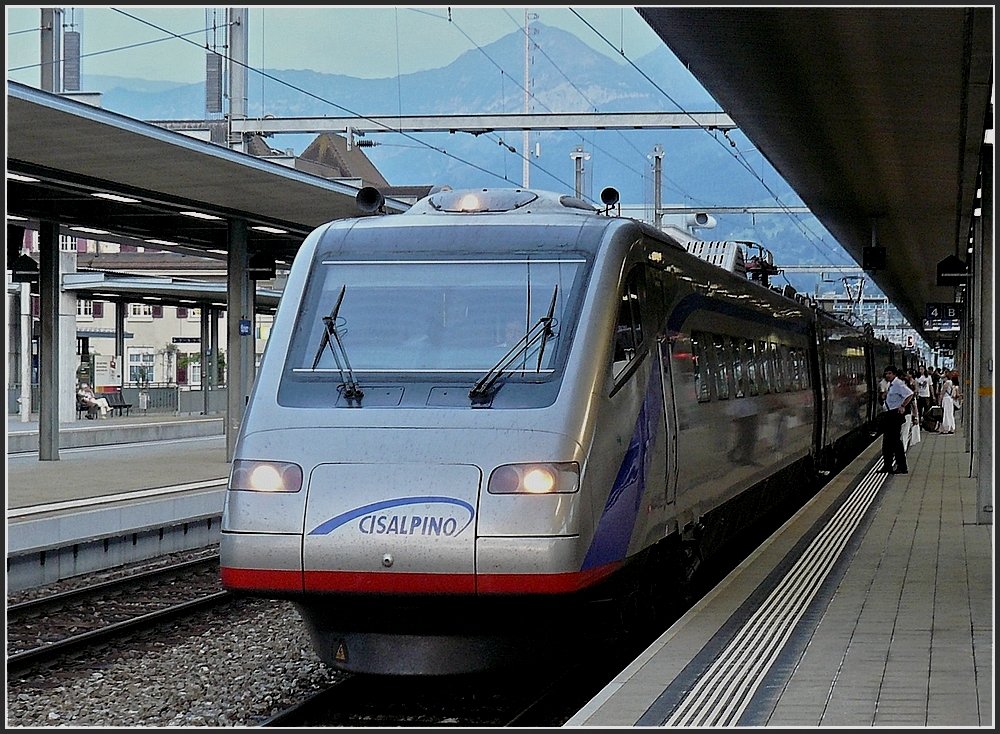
(24, 269)
(873, 258)
(952, 271)
(168, 243)
(261, 266)
(16, 218)
(116, 197)
(89, 230)
(200, 215)
(19, 177)
(270, 230)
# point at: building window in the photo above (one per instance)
(140, 310)
(84, 308)
(140, 365)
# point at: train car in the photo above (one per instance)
(848, 373)
(505, 420)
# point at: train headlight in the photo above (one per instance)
(540, 478)
(265, 476)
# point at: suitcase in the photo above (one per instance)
(935, 413)
(929, 424)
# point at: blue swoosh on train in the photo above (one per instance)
(335, 522)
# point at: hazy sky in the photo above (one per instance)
(362, 41)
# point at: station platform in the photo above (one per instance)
(123, 489)
(22, 436)
(872, 607)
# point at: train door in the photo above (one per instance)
(664, 353)
(820, 368)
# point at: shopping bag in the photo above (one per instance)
(914, 433)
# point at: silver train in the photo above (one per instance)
(506, 420)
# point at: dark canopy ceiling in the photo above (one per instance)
(875, 116)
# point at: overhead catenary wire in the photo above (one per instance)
(738, 157)
(213, 28)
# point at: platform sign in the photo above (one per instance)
(942, 325)
(244, 327)
(107, 371)
(944, 311)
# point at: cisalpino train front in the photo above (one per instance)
(504, 419)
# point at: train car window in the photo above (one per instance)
(701, 367)
(779, 368)
(787, 367)
(801, 373)
(751, 362)
(723, 367)
(766, 373)
(739, 378)
(628, 335)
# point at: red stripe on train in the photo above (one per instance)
(355, 582)
(412, 583)
(256, 579)
(543, 583)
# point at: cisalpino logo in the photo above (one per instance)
(440, 517)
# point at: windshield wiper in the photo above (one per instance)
(547, 331)
(331, 337)
(541, 331)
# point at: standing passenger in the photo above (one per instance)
(897, 404)
(947, 400)
(923, 391)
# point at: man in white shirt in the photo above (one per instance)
(897, 408)
(923, 392)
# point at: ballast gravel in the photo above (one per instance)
(235, 669)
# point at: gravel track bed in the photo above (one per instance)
(230, 667)
(63, 618)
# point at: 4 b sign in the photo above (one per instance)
(944, 311)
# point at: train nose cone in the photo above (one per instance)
(391, 527)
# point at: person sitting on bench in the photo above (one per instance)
(86, 395)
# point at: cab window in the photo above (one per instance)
(628, 336)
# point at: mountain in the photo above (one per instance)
(699, 168)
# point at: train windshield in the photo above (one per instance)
(433, 316)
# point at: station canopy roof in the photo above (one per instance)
(73, 163)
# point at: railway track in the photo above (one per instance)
(544, 697)
(44, 629)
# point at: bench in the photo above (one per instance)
(116, 401)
